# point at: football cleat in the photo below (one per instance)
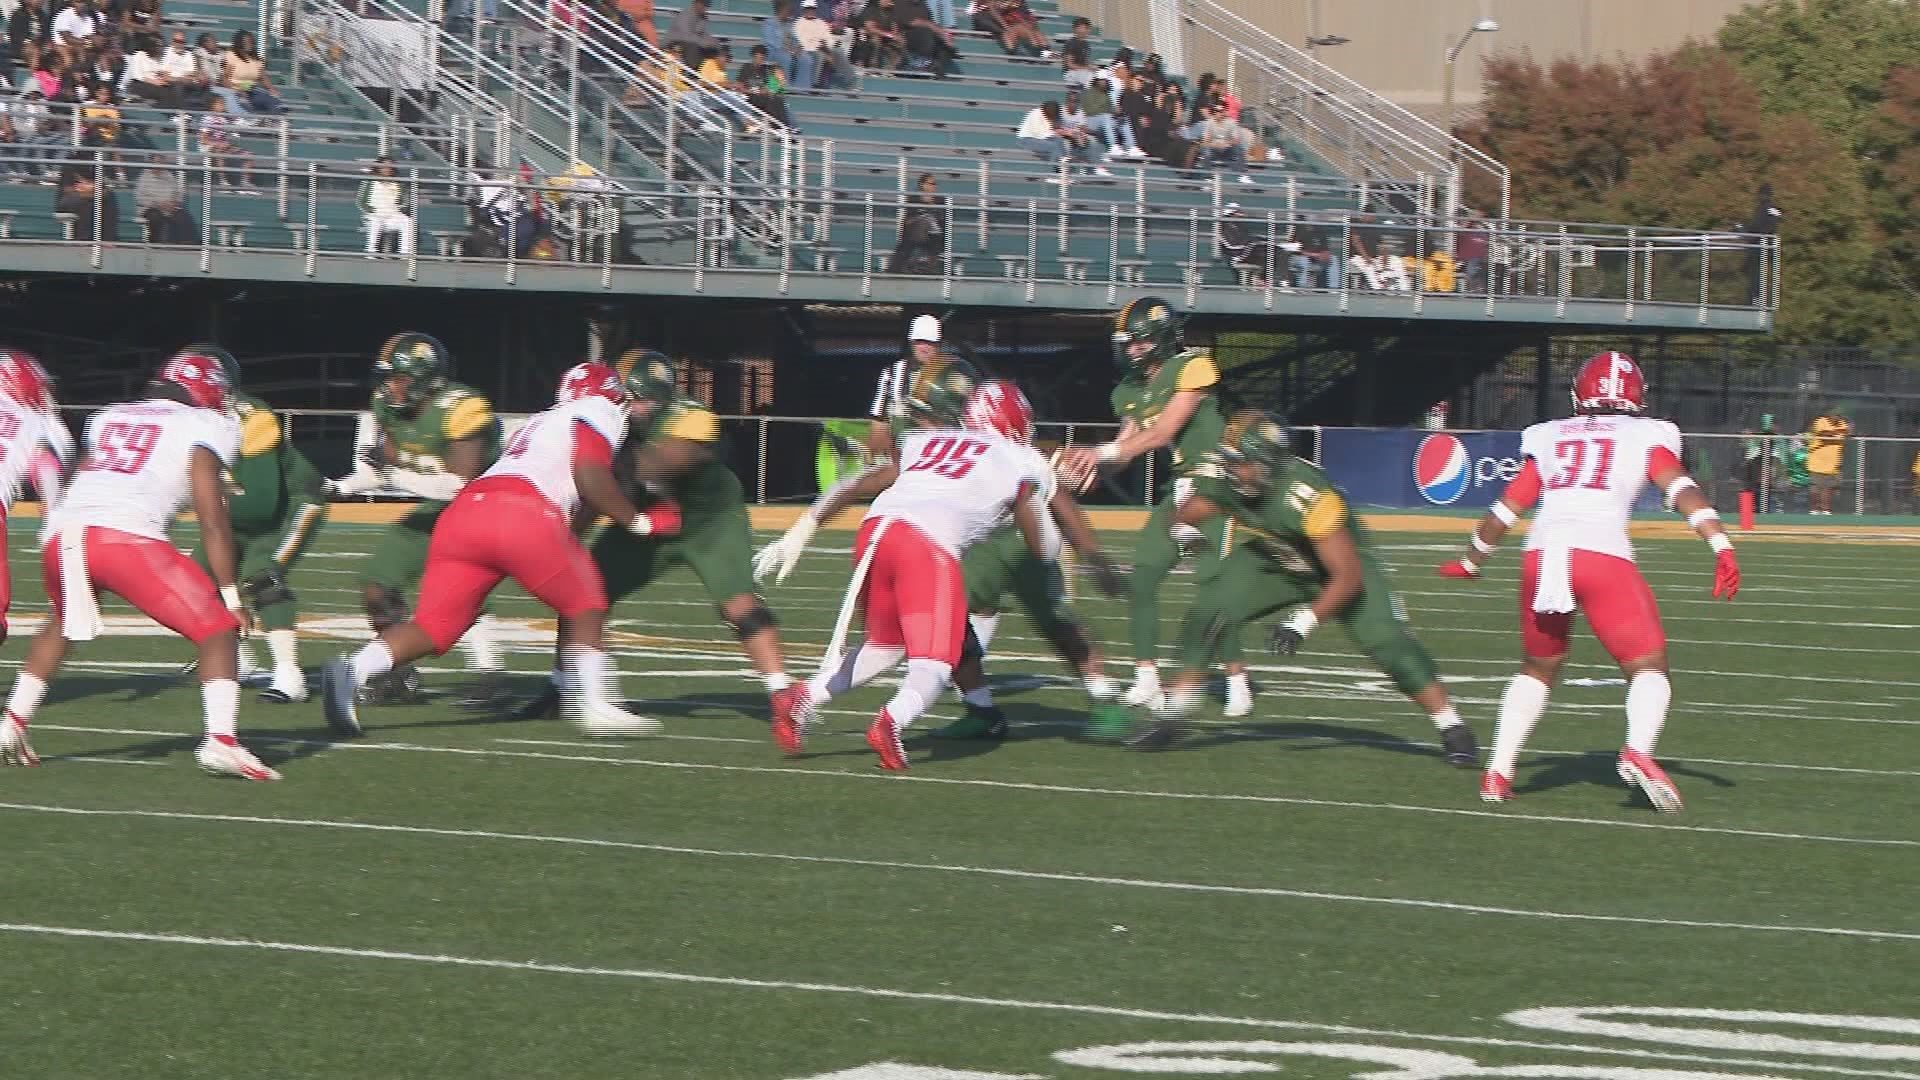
(287, 687)
(1462, 751)
(792, 713)
(222, 755)
(986, 722)
(13, 742)
(605, 720)
(401, 686)
(337, 699)
(1108, 722)
(884, 736)
(1641, 771)
(1495, 788)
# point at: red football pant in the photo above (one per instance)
(152, 575)
(502, 527)
(1615, 598)
(914, 595)
(6, 580)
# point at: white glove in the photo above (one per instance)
(441, 486)
(780, 557)
(364, 477)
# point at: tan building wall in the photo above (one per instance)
(1397, 47)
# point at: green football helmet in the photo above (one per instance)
(218, 356)
(1254, 450)
(937, 391)
(1149, 319)
(648, 375)
(418, 358)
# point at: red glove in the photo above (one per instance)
(660, 519)
(1726, 575)
(1459, 568)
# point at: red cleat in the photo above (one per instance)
(1496, 788)
(1643, 772)
(884, 737)
(792, 712)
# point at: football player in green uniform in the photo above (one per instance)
(1168, 397)
(275, 500)
(430, 437)
(1294, 545)
(675, 457)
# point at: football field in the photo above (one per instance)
(1306, 892)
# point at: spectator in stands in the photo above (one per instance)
(921, 248)
(781, 43)
(29, 59)
(943, 15)
(689, 30)
(225, 157)
(100, 126)
(146, 78)
(106, 66)
(383, 205)
(212, 62)
(1223, 143)
(1154, 116)
(246, 75)
(30, 24)
(160, 199)
(640, 14)
(1097, 105)
(764, 84)
(42, 136)
(77, 23)
(1077, 65)
(719, 87)
(183, 71)
(1470, 248)
(1014, 24)
(139, 18)
(817, 39)
(929, 45)
(1082, 32)
(881, 45)
(1242, 251)
(1314, 266)
(13, 162)
(1439, 273)
(1044, 132)
(1122, 62)
(78, 195)
(1826, 443)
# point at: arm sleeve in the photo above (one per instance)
(1524, 489)
(1660, 459)
(589, 446)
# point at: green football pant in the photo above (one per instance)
(278, 549)
(1001, 564)
(1154, 556)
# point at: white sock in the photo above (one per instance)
(1648, 696)
(1099, 687)
(1181, 702)
(286, 654)
(591, 675)
(921, 688)
(483, 645)
(1147, 672)
(857, 668)
(775, 681)
(1520, 708)
(1237, 683)
(28, 692)
(221, 698)
(980, 697)
(373, 660)
(1446, 718)
(983, 628)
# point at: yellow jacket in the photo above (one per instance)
(1826, 440)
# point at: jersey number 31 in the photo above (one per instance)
(1570, 456)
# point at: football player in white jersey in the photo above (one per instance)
(514, 521)
(34, 448)
(145, 460)
(1585, 472)
(944, 491)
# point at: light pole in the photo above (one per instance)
(1484, 26)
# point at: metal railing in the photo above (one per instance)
(1370, 139)
(1405, 263)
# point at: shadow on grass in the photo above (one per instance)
(1597, 769)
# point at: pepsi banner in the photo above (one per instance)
(1402, 468)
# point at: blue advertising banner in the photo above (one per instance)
(1413, 468)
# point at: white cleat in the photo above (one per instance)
(606, 721)
(1641, 771)
(289, 685)
(1239, 698)
(1145, 689)
(222, 758)
(13, 742)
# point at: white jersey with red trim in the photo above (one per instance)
(958, 486)
(134, 475)
(26, 434)
(541, 451)
(1592, 470)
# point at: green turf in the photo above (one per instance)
(461, 897)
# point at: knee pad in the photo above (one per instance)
(387, 608)
(758, 619)
(267, 588)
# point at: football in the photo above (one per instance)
(1079, 482)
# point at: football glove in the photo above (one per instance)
(780, 557)
(1292, 632)
(367, 474)
(1726, 574)
(1460, 568)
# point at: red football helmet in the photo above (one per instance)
(203, 378)
(1609, 382)
(23, 379)
(591, 380)
(998, 405)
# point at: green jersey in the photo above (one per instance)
(420, 441)
(708, 487)
(269, 478)
(1143, 400)
(1303, 506)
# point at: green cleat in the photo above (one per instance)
(987, 723)
(1109, 721)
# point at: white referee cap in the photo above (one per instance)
(925, 328)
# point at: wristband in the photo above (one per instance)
(642, 525)
(1719, 542)
(1705, 513)
(1302, 621)
(1479, 545)
(1108, 452)
(1503, 513)
(230, 596)
(1677, 485)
